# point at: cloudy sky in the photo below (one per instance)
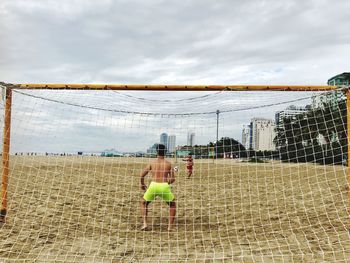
(173, 42)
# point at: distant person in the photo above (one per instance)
(189, 165)
(162, 178)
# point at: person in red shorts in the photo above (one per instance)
(189, 165)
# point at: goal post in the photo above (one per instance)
(6, 152)
(348, 157)
(221, 157)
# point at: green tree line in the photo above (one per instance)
(318, 135)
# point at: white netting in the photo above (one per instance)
(276, 194)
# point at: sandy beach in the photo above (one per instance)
(87, 209)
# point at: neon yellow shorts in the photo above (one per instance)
(163, 190)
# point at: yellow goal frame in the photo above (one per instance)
(142, 87)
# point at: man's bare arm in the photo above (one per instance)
(143, 174)
(171, 176)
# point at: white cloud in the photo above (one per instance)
(170, 42)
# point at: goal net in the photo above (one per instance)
(268, 184)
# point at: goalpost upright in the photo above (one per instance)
(6, 153)
(8, 103)
(348, 137)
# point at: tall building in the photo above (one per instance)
(164, 139)
(290, 111)
(246, 135)
(262, 134)
(171, 143)
(190, 139)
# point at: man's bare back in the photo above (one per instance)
(161, 171)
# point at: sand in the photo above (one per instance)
(86, 209)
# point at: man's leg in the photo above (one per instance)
(189, 173)
(144, 210)
(172, 213)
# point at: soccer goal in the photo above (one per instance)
(261, 173)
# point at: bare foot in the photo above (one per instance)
(144, 228)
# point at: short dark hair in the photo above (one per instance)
(161, 149)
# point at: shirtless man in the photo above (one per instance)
(163, 177)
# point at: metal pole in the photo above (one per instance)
(217, 132)
(348, 136)
(175, 154)
(6, 154)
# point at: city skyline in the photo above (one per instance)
(287, 111)
(204, 133)
(101, 129)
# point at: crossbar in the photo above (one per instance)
(163, 87)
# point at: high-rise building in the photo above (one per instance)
(164, 139)
(290, 111)
(190, 138)
(262, 134)
(246, 135)
(171, 143)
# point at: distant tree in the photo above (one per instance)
(229, 146)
